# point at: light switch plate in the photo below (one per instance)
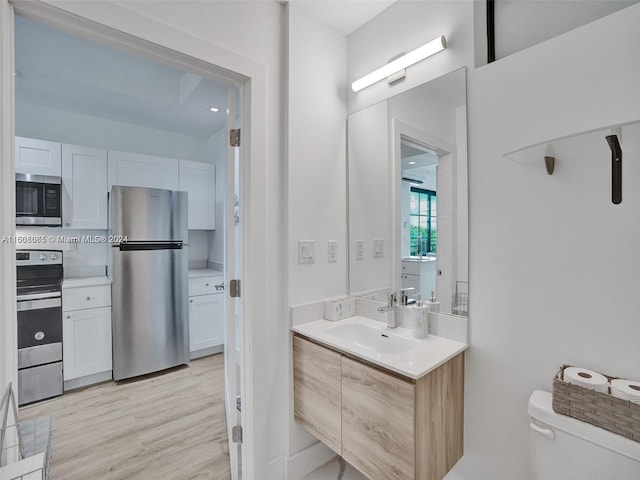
(332, 251)
(378, 248)
(306, 251)
(359, 249)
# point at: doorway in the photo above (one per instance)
(195, 73)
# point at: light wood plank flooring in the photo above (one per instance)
(169, 426)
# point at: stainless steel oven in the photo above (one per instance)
(39, 289)
(38, 200)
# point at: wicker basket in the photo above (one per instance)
(600, 409)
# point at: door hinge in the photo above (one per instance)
(234, 137)
(234, 288)
(236, 434)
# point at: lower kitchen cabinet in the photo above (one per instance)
(205, 321)
(206, 312)
(87, 342)
(386, 425)
(86, 331)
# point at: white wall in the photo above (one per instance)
(316, 177)
(317, 155)
(553, 262)
(245, 37)
(370, 204)
(520, 24)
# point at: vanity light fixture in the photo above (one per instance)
(414, 56)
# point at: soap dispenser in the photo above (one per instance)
(433, 304)
(420, 319)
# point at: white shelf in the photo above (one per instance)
(576, 146)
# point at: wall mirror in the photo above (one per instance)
(408, 196)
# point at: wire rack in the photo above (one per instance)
(460, 301)
(25, 446)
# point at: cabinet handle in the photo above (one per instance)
(219, 286)
(190, 301)
(68, 317)
(206, 284)
(67, 224)
(88, 298)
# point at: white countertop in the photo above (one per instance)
(419, 259)
(204, 272)
(85, 282)
(426, 355)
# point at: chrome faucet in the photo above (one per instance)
(390, 309)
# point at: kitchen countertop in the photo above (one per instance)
(204, 272)
(85, 282)
(426, 355)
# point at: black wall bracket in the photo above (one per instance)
(616, 169)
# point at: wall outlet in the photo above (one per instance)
(332, 251)
(378, 248)
(359, 249)
(339, 309)
(306, 251)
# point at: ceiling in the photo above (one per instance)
(65, 72)
(343, 16)
(59, 70)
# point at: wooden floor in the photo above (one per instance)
(170, 426)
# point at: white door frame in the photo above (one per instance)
(114, 25)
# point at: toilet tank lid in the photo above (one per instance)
(540, 408)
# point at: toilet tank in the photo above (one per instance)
(564, 448)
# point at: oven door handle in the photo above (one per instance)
(38, 296)
(39, 304)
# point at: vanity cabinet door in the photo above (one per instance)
(316, 393)
(378, 422)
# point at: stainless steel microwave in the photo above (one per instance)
(38, 200)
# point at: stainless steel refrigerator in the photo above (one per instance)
(150, 309)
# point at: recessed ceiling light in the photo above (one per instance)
(412, 163)
(214, 109)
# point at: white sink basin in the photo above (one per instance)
(379, 340)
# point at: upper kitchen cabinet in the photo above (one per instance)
(199, 181)
(84, 180)
(136, 170)
(38, 157)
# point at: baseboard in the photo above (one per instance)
(205, 352)
(303, 463)
(88, 380)
(276, 468)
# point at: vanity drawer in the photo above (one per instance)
(411, 268)
(205, 285)
(86, 297)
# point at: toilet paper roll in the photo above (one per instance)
(626, 389)
(586, 378)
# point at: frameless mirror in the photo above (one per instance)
(408, 201)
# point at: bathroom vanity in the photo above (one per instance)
(385, 423)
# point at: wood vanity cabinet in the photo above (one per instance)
(392, 427)
(317, 390)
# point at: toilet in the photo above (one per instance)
(564, 448)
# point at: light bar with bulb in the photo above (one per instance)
(414, 56)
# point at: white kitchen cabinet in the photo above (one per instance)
(205, 321)
(206, 313)
(84, 181)
(86, 329)
(199, 181)
(136, 170)
(38, 157)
